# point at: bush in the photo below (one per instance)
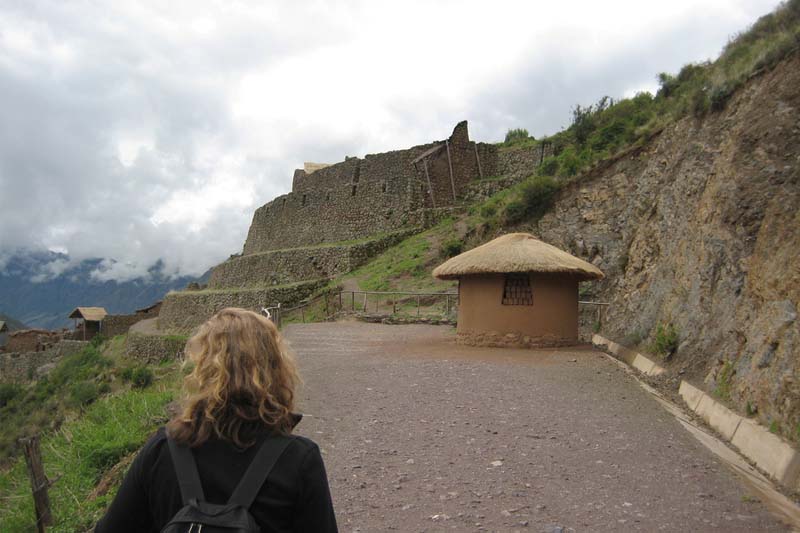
(666, 340)
(141, 377)
(700, 103)
(451, 248)
(517, 135)
(719, 96)
(549, 167)
(83, 393)
(514, 212)
(9, 392)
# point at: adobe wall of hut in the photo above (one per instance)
(31, 340)
(551, 320)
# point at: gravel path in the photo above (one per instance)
(420, 434)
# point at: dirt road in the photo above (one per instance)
(420, 434)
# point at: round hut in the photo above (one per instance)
(517, 291)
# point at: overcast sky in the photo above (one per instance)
(138, 131)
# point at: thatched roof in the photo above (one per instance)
(90, 314)
(3, 326)
(516, 252)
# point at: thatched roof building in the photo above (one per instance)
(516, 252)
(92, 321)
(517, 291)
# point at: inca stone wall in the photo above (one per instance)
(300, 238)
(114, 325)
(286, 266)
(359, 197)
(154, 348)
(184, 311)
(24, 366)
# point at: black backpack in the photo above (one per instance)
(200, 516)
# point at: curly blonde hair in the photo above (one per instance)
(243, 381)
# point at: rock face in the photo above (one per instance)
(700, 228)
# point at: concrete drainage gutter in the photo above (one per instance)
(768, 451)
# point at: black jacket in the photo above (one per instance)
(294, 498)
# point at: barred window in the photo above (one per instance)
(517, 290)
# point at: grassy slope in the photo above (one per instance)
(82, 438)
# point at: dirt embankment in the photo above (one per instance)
(701, 229)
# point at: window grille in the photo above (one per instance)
(517, 290)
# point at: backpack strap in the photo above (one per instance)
(246, 491)
(186, 470)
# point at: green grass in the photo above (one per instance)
(665, 341)
(77, 455)
(724, 379)
(76, 381)
(610, 127)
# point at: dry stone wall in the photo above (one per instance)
(184, 311)
(23, 366)
(154, 348)
(114, 325)
(359, 197)
(280, 267)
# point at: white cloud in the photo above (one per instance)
(152, 130)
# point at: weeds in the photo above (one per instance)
(724, 379)
(666, 340)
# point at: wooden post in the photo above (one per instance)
(430, 187)
(447, 312)
(303, 314)
(417, 305)
(353, 294)
(450, 164)
(341, 307)
(394, 306)
(39, 482)
(327, 311)
(478, 159)
(365, 301)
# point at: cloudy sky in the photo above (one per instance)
(138, 131)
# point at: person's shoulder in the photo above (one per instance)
(154, 444)
(304, 444)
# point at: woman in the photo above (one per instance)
(240, 393)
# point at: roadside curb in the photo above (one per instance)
(768, 451)
(633, 358)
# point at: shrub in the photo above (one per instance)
(97, 341)
(83, 393)
(720, 94)
(517, 135)
(700, 103)
(724, 378)
(514, 212)
(141, 377)
(9, 392)
(451, 248)
(666, 340)
(488, 210)
(549, 167)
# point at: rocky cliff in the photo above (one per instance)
(700, 228)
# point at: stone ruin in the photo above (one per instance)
(338, 216)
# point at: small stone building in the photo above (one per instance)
(517, 291)
(88, 322)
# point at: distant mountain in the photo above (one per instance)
(31, 292)
(12, 323)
